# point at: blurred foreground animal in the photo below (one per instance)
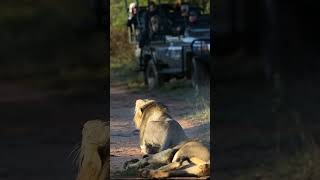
(158, 130)
(189, 158)
(93, 160)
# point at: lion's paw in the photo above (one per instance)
(126, 165)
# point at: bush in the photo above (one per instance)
(119, 42)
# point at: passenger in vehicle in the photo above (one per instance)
(152, 9)
(132, 19)
(181, 19)
(184, 10)
(192, 22)
(193, 19)
(150, 24)
(155, 28)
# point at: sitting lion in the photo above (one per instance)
(189, 158)
(158, 131)
(93, 160)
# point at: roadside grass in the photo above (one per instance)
(201, 113)
(123, 71)
(200, 116)
(182, 90)
(123, 64)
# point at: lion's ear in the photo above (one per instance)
(139, 103)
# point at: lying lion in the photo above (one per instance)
(173, 153)
(189, 158)
(158, 130)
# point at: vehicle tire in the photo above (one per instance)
(199, 75)
(151, 75)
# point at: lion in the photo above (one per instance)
(93, 160)
(158, 130)
(189, 158)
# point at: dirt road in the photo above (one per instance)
(124, 145)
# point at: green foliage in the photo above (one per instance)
(122, 62)
(118, 15)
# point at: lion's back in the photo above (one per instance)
(176, 133)
(165, 131)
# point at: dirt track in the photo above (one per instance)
(124, 145)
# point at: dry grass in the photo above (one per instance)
(122, 60)
(201, 112)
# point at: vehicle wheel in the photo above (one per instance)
(200, 76)
(152, 79)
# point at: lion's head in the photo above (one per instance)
(93, 157)
(144, 105)
(140, 104)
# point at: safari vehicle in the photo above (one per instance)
(172, 56)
